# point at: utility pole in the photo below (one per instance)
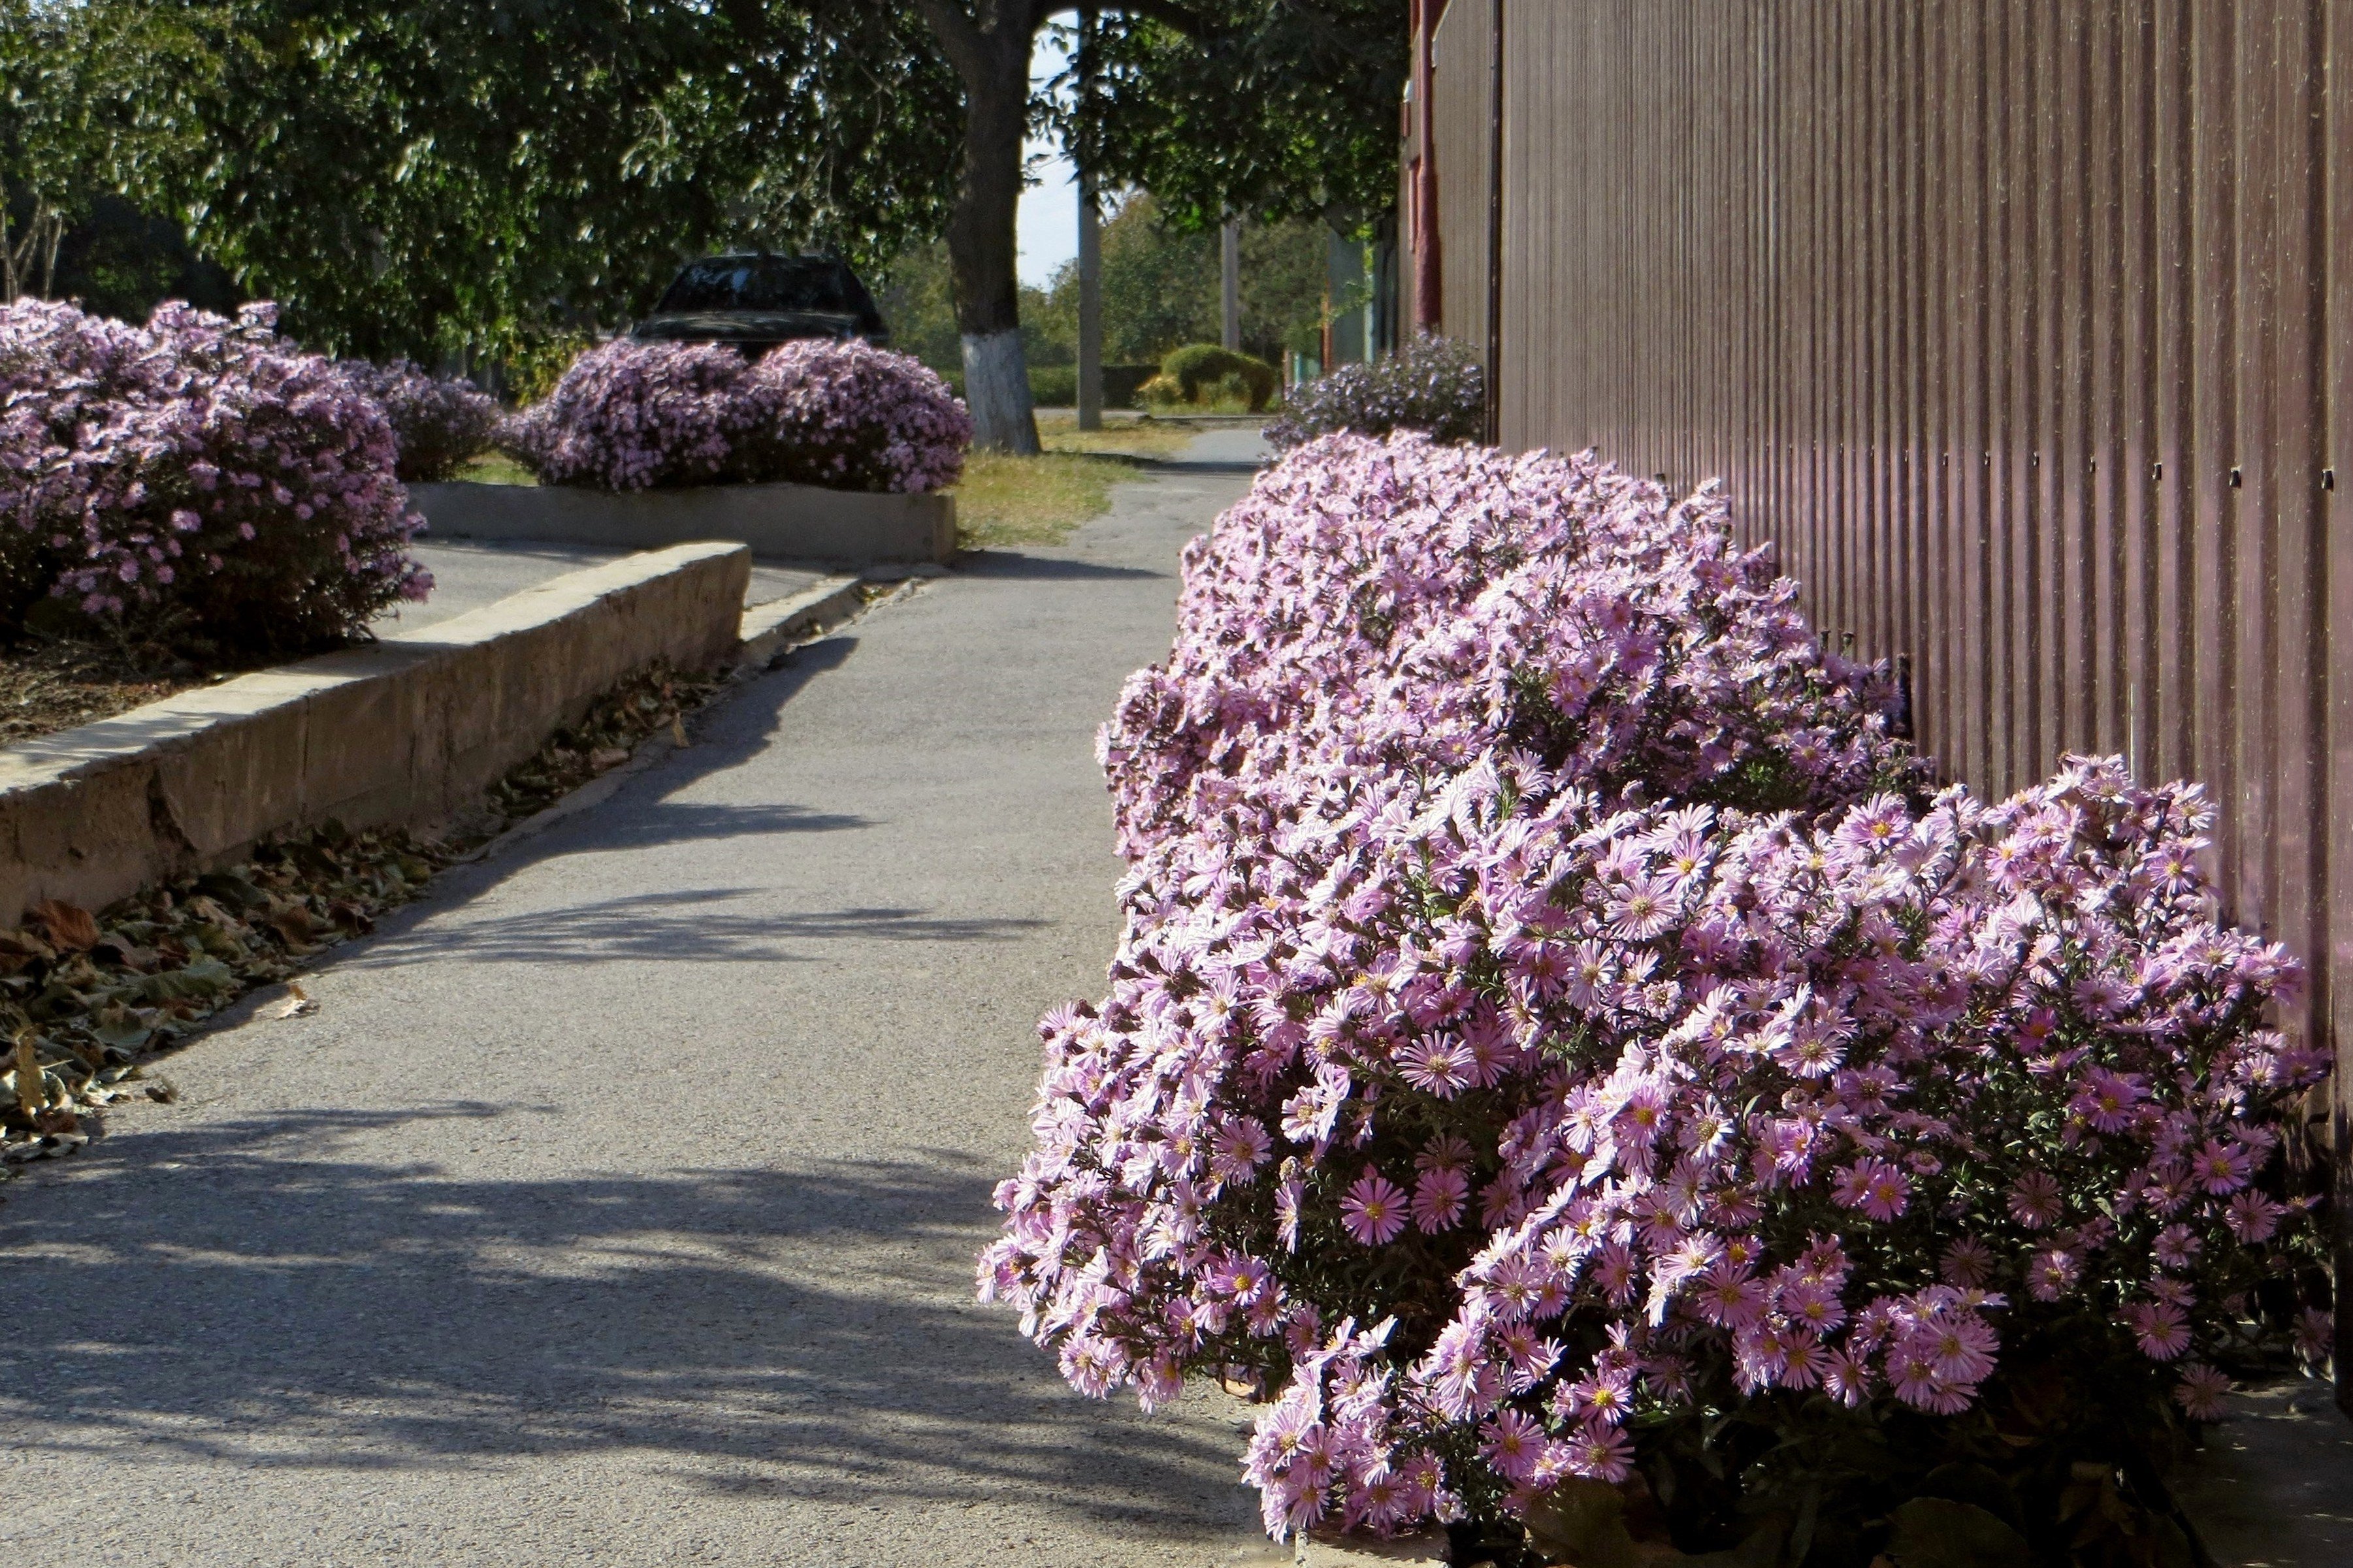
(1090, 380)
(1229, 259)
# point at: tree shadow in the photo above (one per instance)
(299, 1299)
(1014, 564)
(685, 926)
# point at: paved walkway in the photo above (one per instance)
(618, 1206)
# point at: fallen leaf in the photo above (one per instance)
(24, 944)
(294, 924)
(677, 730)
(296, 1004)
(1936, 1533)
(606, 758)
(69, 928)
(32, 1093)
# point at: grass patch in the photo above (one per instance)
(1005, 500)
(494, 468)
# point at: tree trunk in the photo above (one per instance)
(992, 59)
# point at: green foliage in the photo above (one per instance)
(537, 363)
(1160, 290)
(1054, 385)
(476, 174)
(1274, 109)
(77, 121)
(1200, 370)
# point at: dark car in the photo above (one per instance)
(755, 302)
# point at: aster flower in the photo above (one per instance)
(2202, 1393)
(2160, 1329)
(1432, 717)
(1374, 1211)
(1439, 1198)
(2034, 1200)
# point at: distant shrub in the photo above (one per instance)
(1432, 384)
(1199, 372)
(439, 422)
(1054, 385)
(537, 363)
(630, 416)
(196, 478)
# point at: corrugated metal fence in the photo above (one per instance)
(2025, 326)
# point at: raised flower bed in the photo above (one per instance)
(822, 450)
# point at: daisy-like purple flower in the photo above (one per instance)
(2202, 1393)
(1438, 1198)
(1374, 1211)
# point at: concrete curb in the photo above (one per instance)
(780, 521)
(410, 730)
(768, 628)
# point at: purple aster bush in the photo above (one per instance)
(848, 415)
(439, 422)
(1559, 1041)
(1434, 385)
(632, 417)
(196, 479)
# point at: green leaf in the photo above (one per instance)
(1935, 1533)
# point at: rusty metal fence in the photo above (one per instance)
(2025, 327)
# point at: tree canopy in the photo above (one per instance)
(460, 176)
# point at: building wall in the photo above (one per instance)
(2023, 327)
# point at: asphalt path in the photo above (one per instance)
(618, 1203)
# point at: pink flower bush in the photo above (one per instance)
(196, 476)
(852, 416)
(1554, 1035)
(438, 422)
(631, 415)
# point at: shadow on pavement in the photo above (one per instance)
(290, 1301)
(1041, 568)
(686, 926)
(1197, 466)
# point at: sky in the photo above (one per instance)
(1047, 231)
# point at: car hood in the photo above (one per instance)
(744, 326)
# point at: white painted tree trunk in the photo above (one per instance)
(997, 390)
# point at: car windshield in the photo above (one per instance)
(766, 283)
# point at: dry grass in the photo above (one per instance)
(1005, 500)
(1125, 435)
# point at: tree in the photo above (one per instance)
(74, 124)
(453, 175)
(1255, 108)
(1278, 107)
(476, 173)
